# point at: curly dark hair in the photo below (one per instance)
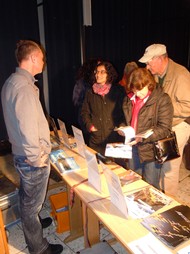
(86, 71)
(140, 78)
(111, 72)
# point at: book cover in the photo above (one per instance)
(145, 202)
(172, 226)
(62, 161)
(151, 197)
(67, 164)
(57, 154)
(128, 177)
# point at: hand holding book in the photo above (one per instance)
(130, 136)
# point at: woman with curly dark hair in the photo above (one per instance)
(102, 107)
(83, 83)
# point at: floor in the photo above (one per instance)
(15, 234)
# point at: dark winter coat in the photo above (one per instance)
(157, 113)
(105, 113)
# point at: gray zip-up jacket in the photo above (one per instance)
(25, 121)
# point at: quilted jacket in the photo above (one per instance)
(157, 113)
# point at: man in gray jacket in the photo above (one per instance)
(29, 135)
(175, 80)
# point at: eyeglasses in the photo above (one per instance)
(102, 72)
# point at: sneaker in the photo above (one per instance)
(53, 249)
(46, 222)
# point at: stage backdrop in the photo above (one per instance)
(18, 20)
(120, 32)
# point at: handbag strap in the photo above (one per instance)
(172, 133)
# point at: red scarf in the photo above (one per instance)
(101, 89)
(137, 105)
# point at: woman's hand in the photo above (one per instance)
(93, 129)
(121, 133)
(134, 142)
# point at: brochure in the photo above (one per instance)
(94, 177)
(185, 250)
(148, 244)
(114, 186)
(172, 226)
(79, 140)
(118, 150)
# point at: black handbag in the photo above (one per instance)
(186, 153)
(166, 149)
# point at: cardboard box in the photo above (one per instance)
(60, 211)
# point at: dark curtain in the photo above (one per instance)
(18, 20)
(122, 29)
(120, 32)
(62, 30)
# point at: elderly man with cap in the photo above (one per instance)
(175, 80)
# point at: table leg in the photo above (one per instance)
(91, 227)
(75, 215)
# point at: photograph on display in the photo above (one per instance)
(172, 226)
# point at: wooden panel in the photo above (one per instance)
(3, 238)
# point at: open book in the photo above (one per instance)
(124, 150)
(129, 133)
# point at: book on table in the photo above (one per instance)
(146, 201)
(172, 226)
(129, 176)
(63, 162)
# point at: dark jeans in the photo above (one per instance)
(150, 171)
(32, 192)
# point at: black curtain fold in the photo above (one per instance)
(18, 20)
(62, 30)
(123, 31)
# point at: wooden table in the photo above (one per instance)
(98, 207)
